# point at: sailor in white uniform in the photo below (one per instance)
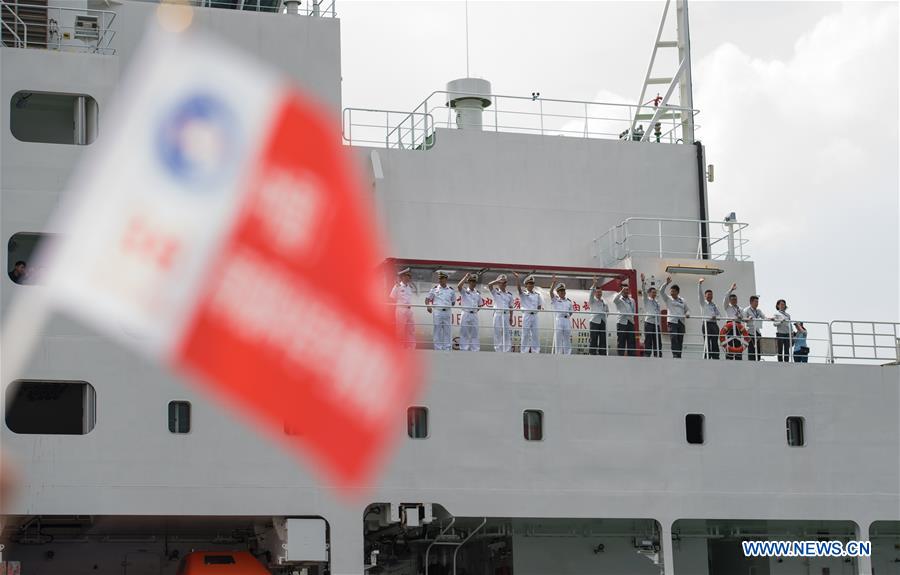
(755, 318)
(652, 334)
(503, 304)
(710, 317)
(471, 301)
(402, 294)
(562, 327)
(597, 338)
(440, 301)
(782, 321)
(626, 336)
(677, 312)
(531, 303)
(733, 314)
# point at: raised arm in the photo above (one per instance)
(663, 292)
(700, 292)
(518, 282)
(644, 290)
(593, 298)
(459, 286)
(728, 295)
(552, 285)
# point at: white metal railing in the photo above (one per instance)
(542, 116)
(865, 341)
(65, 28)
(819, 340)
(18, 41)
(672, 238)
(387, 128)
(320, 8)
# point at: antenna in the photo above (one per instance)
(467, 38)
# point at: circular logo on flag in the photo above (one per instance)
(198, 140)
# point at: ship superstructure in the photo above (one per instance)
(510, 462)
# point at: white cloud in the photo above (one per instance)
(806, 151)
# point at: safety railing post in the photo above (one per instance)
(541, 111)
(659, 232)
(830, 344)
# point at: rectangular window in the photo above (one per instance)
(51, 407)
(693, 428)
(533, 424)
(52, 118)
(417, 422)
(795, 436)
(179, 417)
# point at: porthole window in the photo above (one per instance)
(417, 422)
(795, 431)
(179, 417)
(693, 428)
(533, 424)
(51, 407)
(20, 252)
(52, 118)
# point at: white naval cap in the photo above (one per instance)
(561, 286)
(442, 274)
(473, 278)
(501, 278)
(529, 280)
(404, 271)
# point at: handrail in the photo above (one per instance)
(436, 542)
(613, 245)
(466, 540)
(101, 43)
(316, 8)
(544, 116)
(823, 340)
(24, 43)
(406, 138)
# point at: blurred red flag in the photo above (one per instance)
(220, 226)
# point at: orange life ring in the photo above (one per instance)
(725, 336)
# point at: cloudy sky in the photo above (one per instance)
(798, 109)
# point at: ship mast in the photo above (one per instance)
(681, 78)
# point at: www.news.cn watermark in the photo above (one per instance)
(807, 548)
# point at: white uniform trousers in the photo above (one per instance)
(531, 338)
(406, 327)
(562, 336)
(468, 331)
(502, 331)
(442, 329)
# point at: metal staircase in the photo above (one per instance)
(24, 23)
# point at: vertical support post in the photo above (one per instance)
(80, 121)
(863, 564)
(665, 544)
(685, 87)
(729, 224)
(541, 109)
(659, 237)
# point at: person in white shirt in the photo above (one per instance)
(782, 330)
(678, 312)
(652, 334)
(710, 312)
(733, 314)
(470, 301)
(597, 341)
(626, 339)
(754, 317)
(503, 320)
(440, 301)
(402, 294)
(531, 303)
(562, 327)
